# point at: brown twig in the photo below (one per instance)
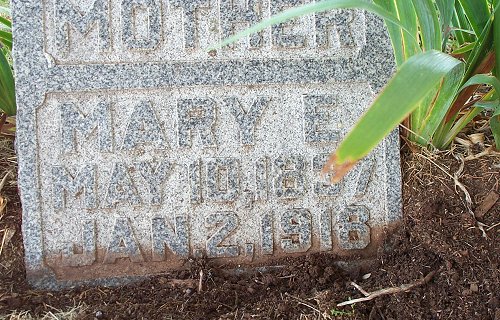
(392, 290)
(200, 283)
(302, 302)
(7, 236)
(461, 186)
(4, 180)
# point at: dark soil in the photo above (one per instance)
(438, 234)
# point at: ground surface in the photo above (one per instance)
(438, 235)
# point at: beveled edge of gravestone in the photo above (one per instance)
(33, 69)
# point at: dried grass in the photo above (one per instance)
(8, 166)
(3, 205)
(74, 313)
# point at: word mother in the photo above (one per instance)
(141, 23)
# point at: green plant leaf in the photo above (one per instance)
(394, 30)
(488, 105)
(6, 22)
(436, 108)
(496, 36)
(403, 43)
(416, 78)
(7, 88)
(483, 45)
(482, 79)
(495, 127)
(464, 49)
(446, 10)
(408, 17)
(448, 130)
(6, 43)
(6, 39)
(430, 30)
(308, 9)
(463, 30)
(477, 13)
(6, 35)
(461, 23)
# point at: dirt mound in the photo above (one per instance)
(438, 235)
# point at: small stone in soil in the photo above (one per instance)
(474, 287)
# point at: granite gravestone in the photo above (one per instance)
(138, 149)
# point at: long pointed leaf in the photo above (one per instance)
(495, 118)
(477, 13)
(464, 49)
(436, 111)
(416, 78)
(5, 22)
(496, 37)
(308, 9)
(7, 91)
(495, 127)
(449, 130)
(408, 17)
(460, 22)
(482, 47)
(430, 29)
(483, 79)
(446, 9)
(6, 35)
(6, 43)
(395, 32)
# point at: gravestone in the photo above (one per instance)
(138, 149)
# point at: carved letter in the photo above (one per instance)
(72, 258)
(63, 183)
(177, 240)
(352, 228)
(365, 168)
(325, 230)
(321, 118)
(261, 179)
(247, 120)
(195, 181)
(154, 177)
(122, 244)
(334, 29)
(190, 9)
(248, 14)
(282, 33)
(296, 227)
(131, 34)
(289, 179)
(121, 188)
(196, 115)
(323, 188)
(73, 120)
(267, 235)
(143, 127)
(66, 14)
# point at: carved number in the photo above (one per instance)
(226, 223)
(353, 231)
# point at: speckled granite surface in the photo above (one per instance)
(139, 149)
